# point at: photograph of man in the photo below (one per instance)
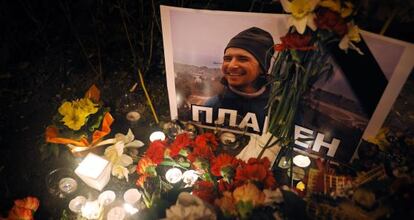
(246, 61)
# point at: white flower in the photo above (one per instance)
(301, 13)
(115, 154)
(189, 207)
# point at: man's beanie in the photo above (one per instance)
(256, 41)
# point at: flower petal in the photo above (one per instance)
(125, 160)
(287, 5)
(135, 143)
(300, 24)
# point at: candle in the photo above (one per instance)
(68, 185)
(301, 161)
(157, 135)
(227, 138)
(173, 175)
(94, 171)
(132, 196)
(106, 197)
(91, 210)
(75, 205)
(130, 209)
(133, 116)
(190, 177)
(117, 213)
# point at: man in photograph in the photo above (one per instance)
(246, 61)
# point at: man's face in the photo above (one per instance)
(240, 68)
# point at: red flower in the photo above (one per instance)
(256, 170)
(20, 213)
(295, 41)
(29, 202)
(331, 21)
(207, 139)
(141, 180)
(221, 162)
(145, 165)
(180, 142)
(156, 151)
(225, 186)
(201, 152)
(205, 191)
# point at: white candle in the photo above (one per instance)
(91, 210)
(157, 135)
(130, 209)
(190, 177)
(132, 196)
(227, 138)
(117, 213)
(68, 185)
(75, 205)
(301, 161)
(106, 197)
(173, 175)
(133, 116)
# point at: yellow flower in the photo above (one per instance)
(302, 13)
(88, 106)
(352, 35)
(226, 204)
(249, 193)
(65, 108)
(119, 160)
(74, 118)
(347, 9)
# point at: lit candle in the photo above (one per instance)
(133, 116)
(157, 135)
(190, 177)
(91, 210)
(94, 171)
(117, 213)
(173, 175)
(227, 138)
(106, 197)
(75, 205)
(132, 196)
(301, 161)
(130, 209)
(68, 185)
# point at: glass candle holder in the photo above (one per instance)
(61, 182)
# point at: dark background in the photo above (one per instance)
(55, 50)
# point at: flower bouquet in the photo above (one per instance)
(80, 124)
(221, 185)
(23, 209)
(303, 57)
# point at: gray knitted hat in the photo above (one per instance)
(256, 41)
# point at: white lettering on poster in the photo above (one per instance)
(304, 138)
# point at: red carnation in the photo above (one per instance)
(223, 164)
(295, 41)
(332, 21)
(205, 191)
(207, 139)
(257, 170)
(180, 142)
(225, 186)
(201, 152)
(156, 151)
(144, 164)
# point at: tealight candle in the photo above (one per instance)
(133, 116)
(75, 205)
(117, 213)
(68, 185)
(91, 210)
(132, 196)
(157, 135)
(227, 138)
(301, 161)
(130, 209)
(106, 197)
(173, 175)
(190, 177)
